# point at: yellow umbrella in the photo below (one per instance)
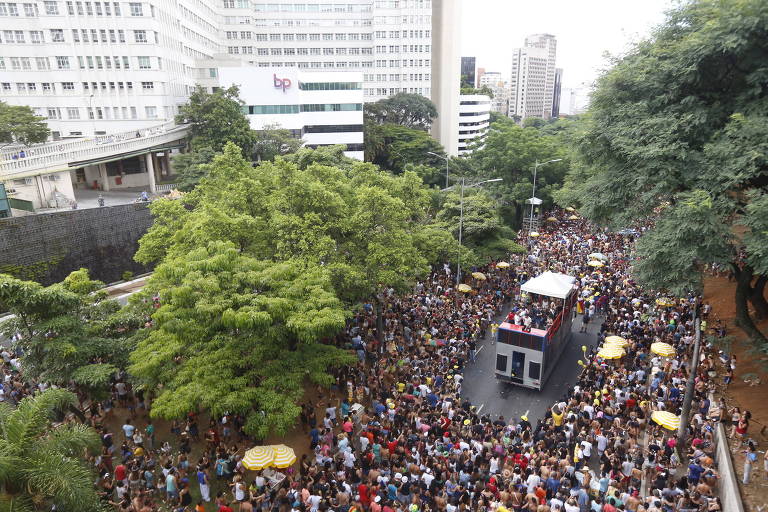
(258, 457)
(621, 344)
(663, 349)
(614, 338)
(502, 264)
(464, 288)
(611, 352)
(596, 264)
(664, 302)
(534, 234)
(666, 419)
(478, 275)
(570, 209)
(573, 217)
(551, 219)
(284, 456)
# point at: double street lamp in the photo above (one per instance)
(533, 193)
(461, 217)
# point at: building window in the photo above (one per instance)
(140, 36)
(136, 9)
(30, 10)
(51, 8)
(57, 35)
(62, 62)
(42, 63)
(147, 85)
(36, 36)
(151, 112)
(53, 113)
(73, 113)
(144, 63)
(68, 86)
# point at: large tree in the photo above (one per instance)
(392, 147)
(677, 130)
(20, 125)
(66, 331)
(272, 141)
(41, 463)
(358, 228)
(404, 109)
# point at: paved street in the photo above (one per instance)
(495, 397)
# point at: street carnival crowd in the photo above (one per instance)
(417, 445)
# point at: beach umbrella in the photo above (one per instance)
(665, 302)
(464, 288)
(258, 457)
(534, 234)
(596, 264)
(621, 343)
(611, 352)
(666, 419)
(614, 338)
(663, 349)
(502, 264)
(598, 256)
(478, 275)
(573, 217)
(570, 209)
(284, 456)
(552, 219)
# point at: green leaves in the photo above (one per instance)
(19, 124)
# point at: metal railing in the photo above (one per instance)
(165, 187)
(59, 154)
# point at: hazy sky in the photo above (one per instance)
(585, 30)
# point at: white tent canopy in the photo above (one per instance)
(550, 284)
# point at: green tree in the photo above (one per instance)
(191, 167)
(272, 141)
(392, 146)
(511, 153)
(19, 125)
(41, 464)
(677, 130)
(404, 109)
(485, 90)
(67, 335)
(217, 118)
(238, 335)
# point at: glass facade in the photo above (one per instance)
(295, 109)
(330, 86)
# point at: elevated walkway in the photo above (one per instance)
(62, 156)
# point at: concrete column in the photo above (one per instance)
(104, 177)
(167, 159)
(151, 173)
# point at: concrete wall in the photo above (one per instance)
(47, 247)
(728, 486)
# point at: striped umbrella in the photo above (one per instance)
(663, 349)
(502, 264)
(479, 275)
(666, 419)
(284, 456)
(258, 457)
(611, 352)
(616, 339)
(596, 264)
(464, 288)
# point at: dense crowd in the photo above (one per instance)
(402, 438)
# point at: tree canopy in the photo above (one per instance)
(20, 125)
(404, 109)
(274, 141)
(677, 129)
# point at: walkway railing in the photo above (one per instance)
(165, 187)
(56, 155)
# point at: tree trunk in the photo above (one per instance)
(379, 320)
(743, 320)
(757, 298)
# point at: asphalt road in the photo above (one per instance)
(493, 397)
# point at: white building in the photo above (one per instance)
(500, 89)
(99, 67)
(533, 77)
(474, 119)
(575, 100)
(323, 107)
(446, 71)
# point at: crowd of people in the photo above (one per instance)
(395, 433)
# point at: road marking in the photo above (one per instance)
(479, 350)
(480, 408)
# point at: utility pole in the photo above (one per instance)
(682, 429)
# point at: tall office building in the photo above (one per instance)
(533, 77)
(500, 89)
(96, 67)
(104, 67)
(468, 72)
(557, 92)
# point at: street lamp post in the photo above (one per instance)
(461, 218)
(533, 193)
(446, 165)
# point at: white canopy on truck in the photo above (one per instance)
(550, 284)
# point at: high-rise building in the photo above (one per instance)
(533, 77)
(474, 118)
(101, 67)
(500, 89)
(556, 92)
(468, 72)
(446, 67)
(480, 73)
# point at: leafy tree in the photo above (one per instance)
(332, 156)
(42, 464)
(238, 335)
(67, 335)
(217, 118)
(272, 141)
(404, 109)
(678, 129)
(19, 125)
(511, 153)
(398, 145)
(191, 167)
(485, 90)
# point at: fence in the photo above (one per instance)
(165, 187)
(728, 485)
